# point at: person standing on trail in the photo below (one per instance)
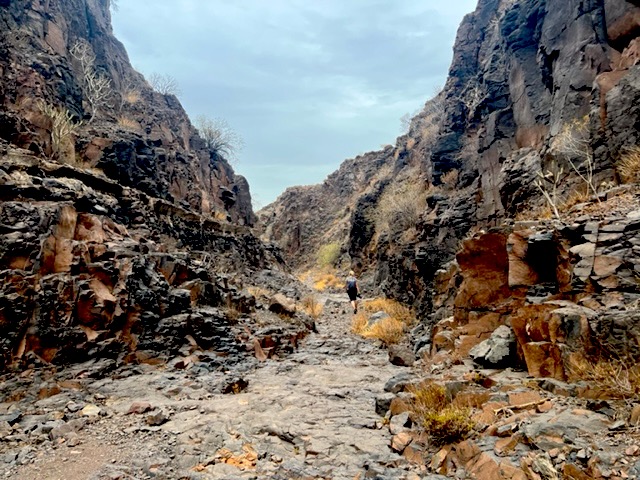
(353, 291)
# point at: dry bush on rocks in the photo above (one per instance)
(62, 127)
(164, 84)
(128, 123)
(614, 378)
(389, 330)
(259, 292)
(97, 86)
(400, 206)
(443, 421)
(311, 306)
(328, 255)
(450, 179)
(219, 137)
(573, 142)
(392, 308)
(628, 166)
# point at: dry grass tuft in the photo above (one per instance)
(389, 330)
(259, 292)
(311, 306)
(400, 205)
(128, 123)
(322, 279)
(613, 377)
(327, 281)
(359, 323)
(392, 308)
(132, 95)
(444, 421)
(628, 166)
(450, 179)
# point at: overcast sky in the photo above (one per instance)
(306, 83)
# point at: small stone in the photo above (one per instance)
(156, 418)
(544, 407)
(400, 441)
(91, 411)
(617, 425)
(632, 451)
(399, 423)
(73, 407)
(139, 407)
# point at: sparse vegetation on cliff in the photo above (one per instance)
(97, 86)
(219, 137)
(629, 165)
(328, 255)
(62, 128)
(400, 206)
(164, 84)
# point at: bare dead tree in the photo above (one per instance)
(219, 137)
(97, 86)
(573, 143)
(164, 84)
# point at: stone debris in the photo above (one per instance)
(308, 414)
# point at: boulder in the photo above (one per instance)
(282, 305)
(497, 351)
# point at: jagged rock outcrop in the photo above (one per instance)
(303, 219)
(92, 269)
(566, 290)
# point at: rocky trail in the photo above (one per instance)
(309, 415)
(336, 408)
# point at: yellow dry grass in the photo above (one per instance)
(628, 166)
(128, 123)
(322, 279)
(389, 330)
(444, 421)
(614, 378)
(259, 292)
(392, 308)
(450, 179)
(132, 96)
(311, 306)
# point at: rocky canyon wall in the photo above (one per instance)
(121, 235)
(524, 77)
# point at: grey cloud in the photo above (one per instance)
(306, 83)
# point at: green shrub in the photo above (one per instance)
(328, 254)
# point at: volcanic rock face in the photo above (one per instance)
(121, 235)
(91, 269)
(303, 219)
(138, 137)
(565, 292)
